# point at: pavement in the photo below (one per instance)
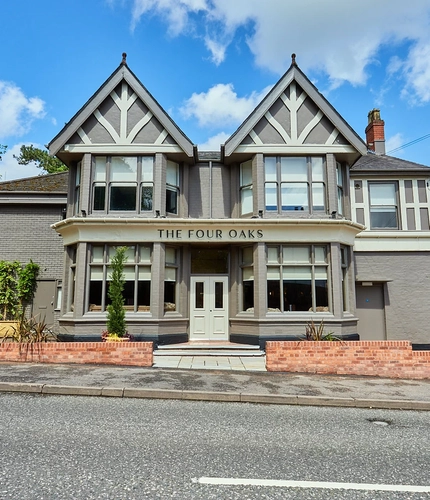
(215, 385)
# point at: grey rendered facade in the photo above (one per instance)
(286, 223)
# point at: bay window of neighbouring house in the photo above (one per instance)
(246, 202)
(137, 275)
(297, 278)
(172, 187)
(383, 205)
(170, 280)
(123, 183)
(247, 279)
(295, 183)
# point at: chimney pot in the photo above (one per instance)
(375, 132)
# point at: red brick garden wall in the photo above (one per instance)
(109, 353)
(392, 359)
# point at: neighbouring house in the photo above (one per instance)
(294, 219)
(28, 208)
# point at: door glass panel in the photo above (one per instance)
(199, 295)
(219, 295)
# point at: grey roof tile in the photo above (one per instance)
(49, 183)
(384, 163)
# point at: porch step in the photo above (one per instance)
(207, 349)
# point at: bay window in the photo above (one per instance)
(297, 278)
(123, 183)
(137, 276)
(295, 183)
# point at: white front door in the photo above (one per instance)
(209, 308)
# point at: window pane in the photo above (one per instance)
(95, 294)
(209, 261)
(320, 273)
(246, 173)
(383, 217)
(143, 295)
(219, 296)
(318, 201)
(169, 296)
(382, 194)
(170, 274)
(247, 255)
(297, 295)
(146, 203)
(172, 173)
(170, 255)
(147, 168)
(130, 253)
(273, 273)
(273, 295)
(97, 254)
(297, 273)
(248, 295)
(295, 254)
(123, 168)
(320, 254)
(270, 168)
(317, 169)
(96, 273)
(128, 293)
(247, 273)
(271, 196)
(99, 197)
(122, 197)
(100, 169)
(145, 254)
(171, 201)
(321, 291)
(272, 254)
(339, 174)
(129, 273)
(294, 169)
(294, 196)
(144, 273)
(246, 200)
(199, 299)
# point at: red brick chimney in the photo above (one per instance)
(375, 134)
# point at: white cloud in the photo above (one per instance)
(221, 105)
(214, 142)
(17, 111)
(10, 169)
(339, 38)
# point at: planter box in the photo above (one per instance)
(7, 327)
(108, 353)
(389, 359)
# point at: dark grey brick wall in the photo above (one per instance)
(25, 234)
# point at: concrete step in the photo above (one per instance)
(208, 349)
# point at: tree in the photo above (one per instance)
(115, 310)
(2, 151)
(43, 160)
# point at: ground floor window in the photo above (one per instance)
(297, 278)
(137, 275)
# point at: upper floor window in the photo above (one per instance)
(246, 205)
(294, 183)
(77, 188)
(340, 184)
(383, 205)
(123, 183)
(172, 187)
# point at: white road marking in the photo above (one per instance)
(311, 484)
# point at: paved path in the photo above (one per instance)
(236, 363)
(215, 385)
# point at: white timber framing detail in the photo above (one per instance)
(102, 120)
(160, 139)
(333, 136)
(310, 126)
(255, 138)
(83, 136)
(278, 127)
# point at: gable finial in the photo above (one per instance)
(124, 58)
(293, 60)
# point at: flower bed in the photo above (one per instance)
(391, 359)
(109, 353)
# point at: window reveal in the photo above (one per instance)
(137, 275)
(295, 183)
(297, 278)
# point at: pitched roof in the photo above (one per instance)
(49, 183)
(122, 73)
(382, 163)
(294, 74)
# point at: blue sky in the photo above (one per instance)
(209, 63)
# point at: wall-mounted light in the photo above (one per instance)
(333, 214)
(260, 214)
(83, 213)
(157, 213)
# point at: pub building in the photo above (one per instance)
(245, 244)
